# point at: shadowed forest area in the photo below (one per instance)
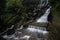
(19, 12)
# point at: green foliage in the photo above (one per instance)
(16, 10)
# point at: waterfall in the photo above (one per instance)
(44, 17)
(42, 3)
(37, 29)
(32, 32)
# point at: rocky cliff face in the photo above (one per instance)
(54, 27)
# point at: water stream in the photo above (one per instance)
(32, 32)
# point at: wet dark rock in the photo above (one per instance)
(54, 27)
(1, 38)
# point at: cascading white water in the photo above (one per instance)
(42, 3)
(36, 29)
(44, 17)
(32, 32)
